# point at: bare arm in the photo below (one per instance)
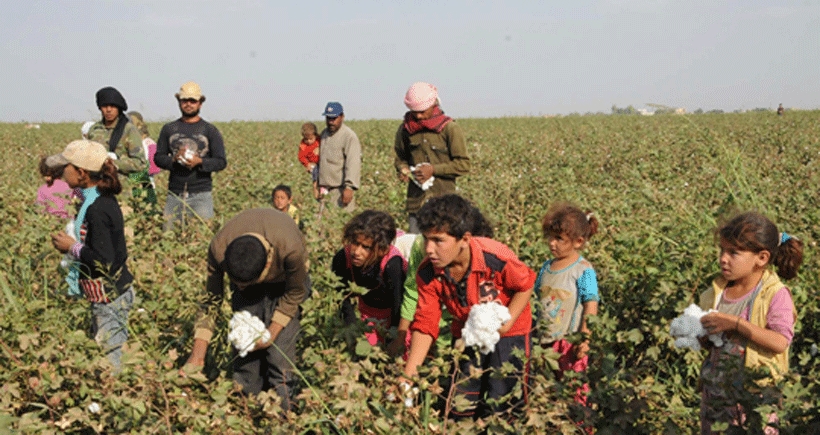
(715, 323)
(419, 346)
(518, 302)
(590, 309)
(396, 347)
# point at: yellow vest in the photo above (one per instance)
(756, 356)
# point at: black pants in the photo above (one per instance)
(491, 384)
(270, 368)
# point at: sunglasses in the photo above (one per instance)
(188, 100)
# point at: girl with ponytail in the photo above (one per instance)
(755, 311)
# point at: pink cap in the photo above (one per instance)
(421, 96)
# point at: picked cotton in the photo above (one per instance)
(246, 329)
(427, 183)
(65, 263)
(481, 329)
(94, 408)
(687, 328)
(407, 392)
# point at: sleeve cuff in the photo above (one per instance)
(75, 249)
(203, 334)
(281, 318)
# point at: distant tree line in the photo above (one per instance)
(631, 110)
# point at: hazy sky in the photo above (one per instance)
(283, 60)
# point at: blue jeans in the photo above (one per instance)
(109, 325)
(196, 204)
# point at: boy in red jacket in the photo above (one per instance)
(459, 272)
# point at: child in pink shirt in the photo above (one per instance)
(55, 195)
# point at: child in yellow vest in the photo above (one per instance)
(755, 312)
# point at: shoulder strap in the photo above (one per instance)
(393, 252)
(116, 135)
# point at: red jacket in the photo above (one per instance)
(496, 274)
(306, 154)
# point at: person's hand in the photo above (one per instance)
(62, 241)
(193, 365)
(194, 161)
(404, 175)
(179, 156)
(505, 328)
(423, 172)
(581, 349)
(261, 344)
(396, 346)
(715, 323)
(189, 163)
(310, 167)
(347, 196)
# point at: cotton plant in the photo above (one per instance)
(481, 328)
(687, 328)
(245, 331)
(407, 393)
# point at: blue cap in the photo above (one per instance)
(333, 109)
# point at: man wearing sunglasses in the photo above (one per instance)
(192, 149)
(263, 253)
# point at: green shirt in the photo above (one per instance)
(446, 151)
(131, 156)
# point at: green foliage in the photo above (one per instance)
(658, 185)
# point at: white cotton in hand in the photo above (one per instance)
(686, 329)
(481, 328)
(428, 183)
(67, 259)
(245, 331)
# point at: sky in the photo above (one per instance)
(283, 60)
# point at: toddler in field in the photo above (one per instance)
(282, 200)
(566, 287)
(309, 154)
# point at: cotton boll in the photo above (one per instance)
(94, 408)
(686, 328)
(245, 331)
(481, 328)
(690, 342)
(69, 229)
(409, 393)
(66, 261)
